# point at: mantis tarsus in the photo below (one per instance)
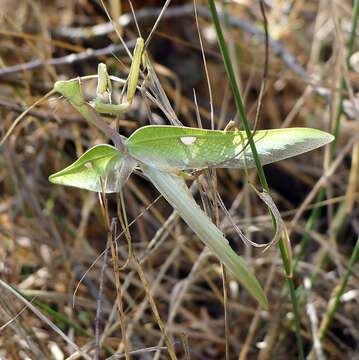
(163, 152)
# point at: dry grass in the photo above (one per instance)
(51, 235)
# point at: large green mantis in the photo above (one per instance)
(165, 153)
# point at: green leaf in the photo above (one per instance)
(170, 148)
(101, 161)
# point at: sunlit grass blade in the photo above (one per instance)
(175, 191)
(171, 148)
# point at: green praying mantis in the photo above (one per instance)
(165, 153)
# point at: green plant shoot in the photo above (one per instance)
(163, 152)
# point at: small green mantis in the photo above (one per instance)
(165, 153)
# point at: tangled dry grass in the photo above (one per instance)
(51, 236)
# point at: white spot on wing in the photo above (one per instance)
(89, 165)
(188, 140)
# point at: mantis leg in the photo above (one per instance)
(71, 90)
(104, 84)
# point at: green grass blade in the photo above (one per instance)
(344, 85)
(236, 92)
(333, 309)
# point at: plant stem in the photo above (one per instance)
(354, 258)
(344, 85)
(261, 175)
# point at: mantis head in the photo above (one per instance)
(71, 90)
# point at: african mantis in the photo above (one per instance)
(165, 153)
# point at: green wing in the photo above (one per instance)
(170, 148)
(101, 161)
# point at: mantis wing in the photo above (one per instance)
(100, 162)
(170, 148)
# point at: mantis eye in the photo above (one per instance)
(188, 140)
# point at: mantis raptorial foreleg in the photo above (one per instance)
(104, 84)
(72, 91)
